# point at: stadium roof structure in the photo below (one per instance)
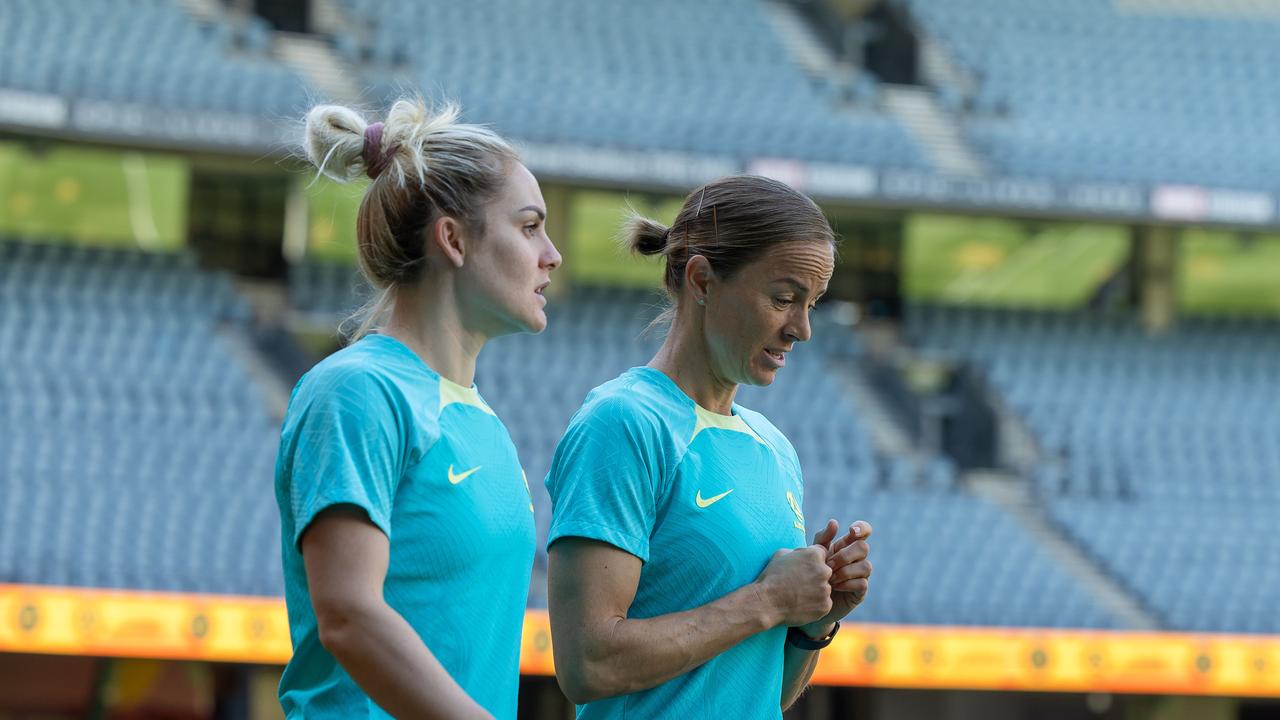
(672, 170)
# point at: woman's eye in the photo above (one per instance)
(531, 228)
(782, 302)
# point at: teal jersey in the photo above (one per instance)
(705, 500)
(375, 427)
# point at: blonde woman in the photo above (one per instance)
(408, 534)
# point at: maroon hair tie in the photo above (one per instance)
(375, 161)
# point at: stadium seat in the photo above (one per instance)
(137, 450)
(148, 52)
(1092, 91)
(1158, 450)
(709, 78)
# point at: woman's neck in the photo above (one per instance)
(685, 358)
(428, 320)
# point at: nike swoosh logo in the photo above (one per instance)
(708, 502)
(454, 479)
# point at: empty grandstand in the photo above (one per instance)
(144, 53)
(1159, 453)
(1123, 91)
(134, 438)
(645, 77)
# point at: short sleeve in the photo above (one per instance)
(606, 476)
(344, 445)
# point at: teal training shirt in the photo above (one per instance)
(375, 427)
(705, 500)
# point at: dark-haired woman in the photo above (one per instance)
(408, 535)
(680, 584)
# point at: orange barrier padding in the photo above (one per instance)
(933, 657)
(124, 623)
(128, 623)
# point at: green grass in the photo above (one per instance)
(593, 254)
(331, 219)
(1224, 272)
(95, 196)
(997, 261)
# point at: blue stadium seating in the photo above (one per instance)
(956, 559)
(329, 292)
(1207, 566)
(1090, 90)
(135, 451)
(1160, 452)
(147, 52)
(708, 78)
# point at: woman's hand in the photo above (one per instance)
(796, 583)
(601, 652)
(850, 572)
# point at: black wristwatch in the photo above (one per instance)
(797, 638)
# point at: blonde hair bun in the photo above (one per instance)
(334, 141)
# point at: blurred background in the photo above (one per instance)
(1046, 371)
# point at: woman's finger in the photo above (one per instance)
(824, 536)
(852, 571)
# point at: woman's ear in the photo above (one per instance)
(699, 277)
(447, 236)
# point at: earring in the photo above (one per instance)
(702, 301)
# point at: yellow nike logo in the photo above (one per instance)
(454, 479)
(708, 502)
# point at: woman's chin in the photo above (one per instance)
(761, 377)
(530, 322)
(536, 323)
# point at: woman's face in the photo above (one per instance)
(507, 271)
(754, 319)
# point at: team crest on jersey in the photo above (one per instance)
(798, 523)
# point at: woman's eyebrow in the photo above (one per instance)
(542, 214)
(794, 283)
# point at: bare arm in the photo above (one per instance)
(600, 652)
(346, 562)
(797, 667)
